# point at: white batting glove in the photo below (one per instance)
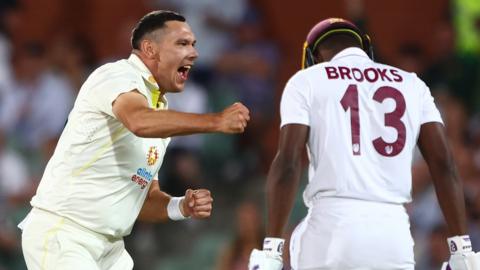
(270, 258)
(461, 255)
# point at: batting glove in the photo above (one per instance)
(270, 258)
(461, 255)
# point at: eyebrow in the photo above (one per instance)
(187, 40)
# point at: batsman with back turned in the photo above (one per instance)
(359, 122)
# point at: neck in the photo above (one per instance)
(328, 53)
(149, 63)
(325, 55)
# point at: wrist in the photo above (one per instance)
(216, 121)
(459, 244)
(175, 208)
(273, 245)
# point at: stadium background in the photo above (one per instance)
(248, 50)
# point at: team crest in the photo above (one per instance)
(152, 155)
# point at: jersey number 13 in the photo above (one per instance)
(392, 119)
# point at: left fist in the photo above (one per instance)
(197, 203)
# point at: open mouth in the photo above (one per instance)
(183, 71)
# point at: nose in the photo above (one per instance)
(193, 54)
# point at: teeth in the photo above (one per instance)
(187, 67)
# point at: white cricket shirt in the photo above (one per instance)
(100, 172)
(364, 120)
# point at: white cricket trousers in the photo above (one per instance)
(52, 242)
(349, 234)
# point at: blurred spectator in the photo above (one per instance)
(247, 70)
(213, 22)
(193, 99)
(411, 58)
(121, 40)
(356, 13)
(72, 57)
(473, 212)
(474, 139)
(15, 185)
(9, 18)
(455, 117)
(248, 235)
(437, 250)
(249, 64)
(451, 72)
(42, 100)
(15, 192)
(181, 171)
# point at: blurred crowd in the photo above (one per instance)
(239, 61)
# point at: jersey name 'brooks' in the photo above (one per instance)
(370, 74)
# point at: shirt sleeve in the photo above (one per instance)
(429, 111)
(295, 102)
(110, 86)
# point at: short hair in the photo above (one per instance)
(151, 22)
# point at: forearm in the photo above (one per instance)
(133, 111)
(167, 123)
(154, 208)
(450, 196)
(434, 146)
(282, 185)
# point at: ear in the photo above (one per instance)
(148, 48)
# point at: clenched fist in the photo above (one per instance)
(234, 118)
(197, 203)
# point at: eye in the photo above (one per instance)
(183, 43)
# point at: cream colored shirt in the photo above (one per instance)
(100, 172)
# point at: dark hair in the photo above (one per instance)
(151, 22)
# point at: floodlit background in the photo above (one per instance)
(248, 50)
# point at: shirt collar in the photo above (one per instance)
(158, 99)
(350, 51)
(140, 66)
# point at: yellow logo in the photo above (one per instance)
(335, 20)
(152, 155)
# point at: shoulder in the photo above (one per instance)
(405, 76)
(111, 78)
(298, 80)
(115, 70)
(309, 76)
(307, 73)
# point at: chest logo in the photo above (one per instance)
(152, 155)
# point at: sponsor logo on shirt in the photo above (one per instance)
(152, 155)
(142, 177)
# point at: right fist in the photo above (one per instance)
(197, 203)
(234, 118)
